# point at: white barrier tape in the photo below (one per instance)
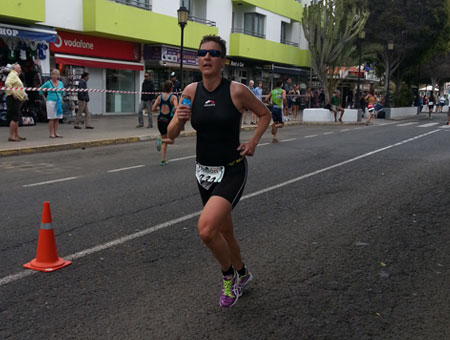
(72, 89)
(46, 226)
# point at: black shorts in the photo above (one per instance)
(277, 116)
(12, 109)
(162, 127)
(231, 187)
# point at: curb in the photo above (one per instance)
(135, 139)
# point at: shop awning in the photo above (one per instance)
(290, 70)
(31, 33)
(76, 60)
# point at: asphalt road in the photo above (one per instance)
(346, 231)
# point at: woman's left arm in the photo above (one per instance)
(244, 99)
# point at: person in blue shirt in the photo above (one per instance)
(53, 103)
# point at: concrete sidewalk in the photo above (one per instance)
(110, 129)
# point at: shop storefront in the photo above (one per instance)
(112, 65)
(161, 60)
(27, 46)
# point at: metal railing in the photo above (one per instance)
(202, 21)
(287, 42)
(135, 3)
(252, 33)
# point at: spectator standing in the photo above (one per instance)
(441, 103)
(14, 100)
(322, 98)
(146, 102)
(251, 87)
(83, 100)
(53, 103)
(308, 97)
(258, 93)
(176, 83)
(295, 101)
(288, 88)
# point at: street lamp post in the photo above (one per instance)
(183, 14)
(361, 36)
(388, 76)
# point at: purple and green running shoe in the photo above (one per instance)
(243, 281)
(229, 294)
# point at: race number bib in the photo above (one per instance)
(208, 175)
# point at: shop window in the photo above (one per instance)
(283, 32)
(123, 80)
(254, 24)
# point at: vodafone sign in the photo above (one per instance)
(80, 44)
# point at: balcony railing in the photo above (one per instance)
(287, 42)
(136, 3)
(202, 21)
(252, 33)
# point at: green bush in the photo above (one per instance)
(404, 97)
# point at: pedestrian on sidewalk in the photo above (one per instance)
(276, 100)
(295, 101)
(53, 103)
(167, 103)
(14, 100)
(146, 102)
(221, 170)
(448, 116)
(83, 99)
(431, 102)
(176, 84)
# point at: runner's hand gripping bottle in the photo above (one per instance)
(186, 100)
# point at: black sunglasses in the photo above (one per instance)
(212, 53)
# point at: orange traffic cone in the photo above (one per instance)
(47, 259)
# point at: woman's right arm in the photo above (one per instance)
(182, 113)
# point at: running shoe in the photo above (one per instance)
(162, 163)
(229, 294)
(158, 143)
(274, 140)
(243, 281)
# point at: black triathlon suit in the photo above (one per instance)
(218, 124)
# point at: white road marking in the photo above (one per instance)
(428, 125)
(328, 133)
(444, 127)
(287, 140)
(50, 182)
(14, 277)
(387, 123)
(262, 144)
(311, 136)
(181, 158)
(128, 168)
(345, 130)
(406, 124)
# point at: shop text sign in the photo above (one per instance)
(80, 44)
(170, 54)
(8, 32)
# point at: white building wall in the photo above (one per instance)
(221, 12)
(167, 7)
(66, 14)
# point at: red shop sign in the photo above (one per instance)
(80, 44)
